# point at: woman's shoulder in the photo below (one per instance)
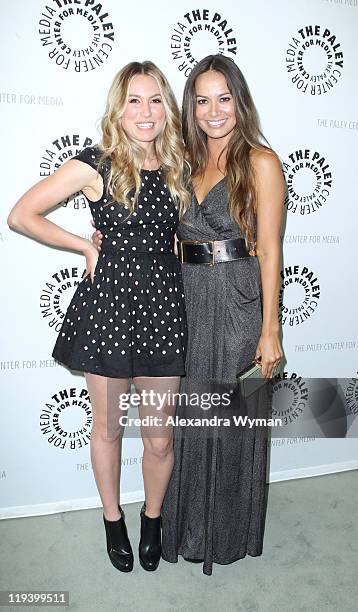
(268, 173)
(91, 155)
(264, 160)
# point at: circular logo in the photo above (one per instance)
(77, 35)
(66, 419)
(57, 294)
(289, 397)
(351, 395)
(299, 295)
(314, 60)
(199, 33)
(309, 181)
(59, 151)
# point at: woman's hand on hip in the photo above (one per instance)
(97, 237)
(91, 254)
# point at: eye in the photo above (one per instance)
(133, 100)
(225, 99)
(201, 101)
(157, 100)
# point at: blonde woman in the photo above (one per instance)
(127, 317)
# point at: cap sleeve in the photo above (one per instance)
(90, 156)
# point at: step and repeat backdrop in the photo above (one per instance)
(58, 60)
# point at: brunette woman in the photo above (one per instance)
(230, 247)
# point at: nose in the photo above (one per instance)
(213, 108)
(146, 109)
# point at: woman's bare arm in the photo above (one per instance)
(270, 198)
(27, 214)
(270, 204)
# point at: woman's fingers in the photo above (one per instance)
(91, 263)
(269, 354)
(269, 366)
(96, 242)
(97, 239)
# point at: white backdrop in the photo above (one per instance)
(58, 60)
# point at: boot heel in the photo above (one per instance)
(118, 545)
(150, 544)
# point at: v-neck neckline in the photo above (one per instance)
(209, 192)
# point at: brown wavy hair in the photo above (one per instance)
(246, 136)
(127, 156)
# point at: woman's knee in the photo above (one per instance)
(105, 433)
(160, 448)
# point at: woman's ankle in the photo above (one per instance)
(112, 514)
(151, 512)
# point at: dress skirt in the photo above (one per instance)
(214, 507)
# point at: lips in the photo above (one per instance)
(217, 123)
(145, 126)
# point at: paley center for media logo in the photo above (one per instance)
(314, 60)
(289, 397)
(57, 293)
(309, 181)
(60, 150)
(78, 35)
(299, 295)
(66, 419)
(198, 33)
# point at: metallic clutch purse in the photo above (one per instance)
(250, 379)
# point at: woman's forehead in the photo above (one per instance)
(142, 84)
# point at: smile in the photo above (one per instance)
(145, 126)
(217, 123)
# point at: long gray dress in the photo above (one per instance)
(214, 507)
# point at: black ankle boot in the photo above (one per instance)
(150, 544)
(118, 545)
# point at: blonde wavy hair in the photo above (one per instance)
(127, 156)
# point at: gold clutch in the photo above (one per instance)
(250, 379)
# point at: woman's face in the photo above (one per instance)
(144, 116)
(215, 108)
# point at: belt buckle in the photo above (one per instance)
(181, 242)
(212, 252)
(212, 263)
(181, 251)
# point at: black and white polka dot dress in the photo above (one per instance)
(131, 320)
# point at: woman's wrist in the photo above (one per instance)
(87, 246)
(270, 329)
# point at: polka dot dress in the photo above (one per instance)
(131, 320)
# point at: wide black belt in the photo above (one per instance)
(211, 251)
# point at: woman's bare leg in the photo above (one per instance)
(158, 456)
(106, 438)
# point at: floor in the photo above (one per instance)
(309, 562)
